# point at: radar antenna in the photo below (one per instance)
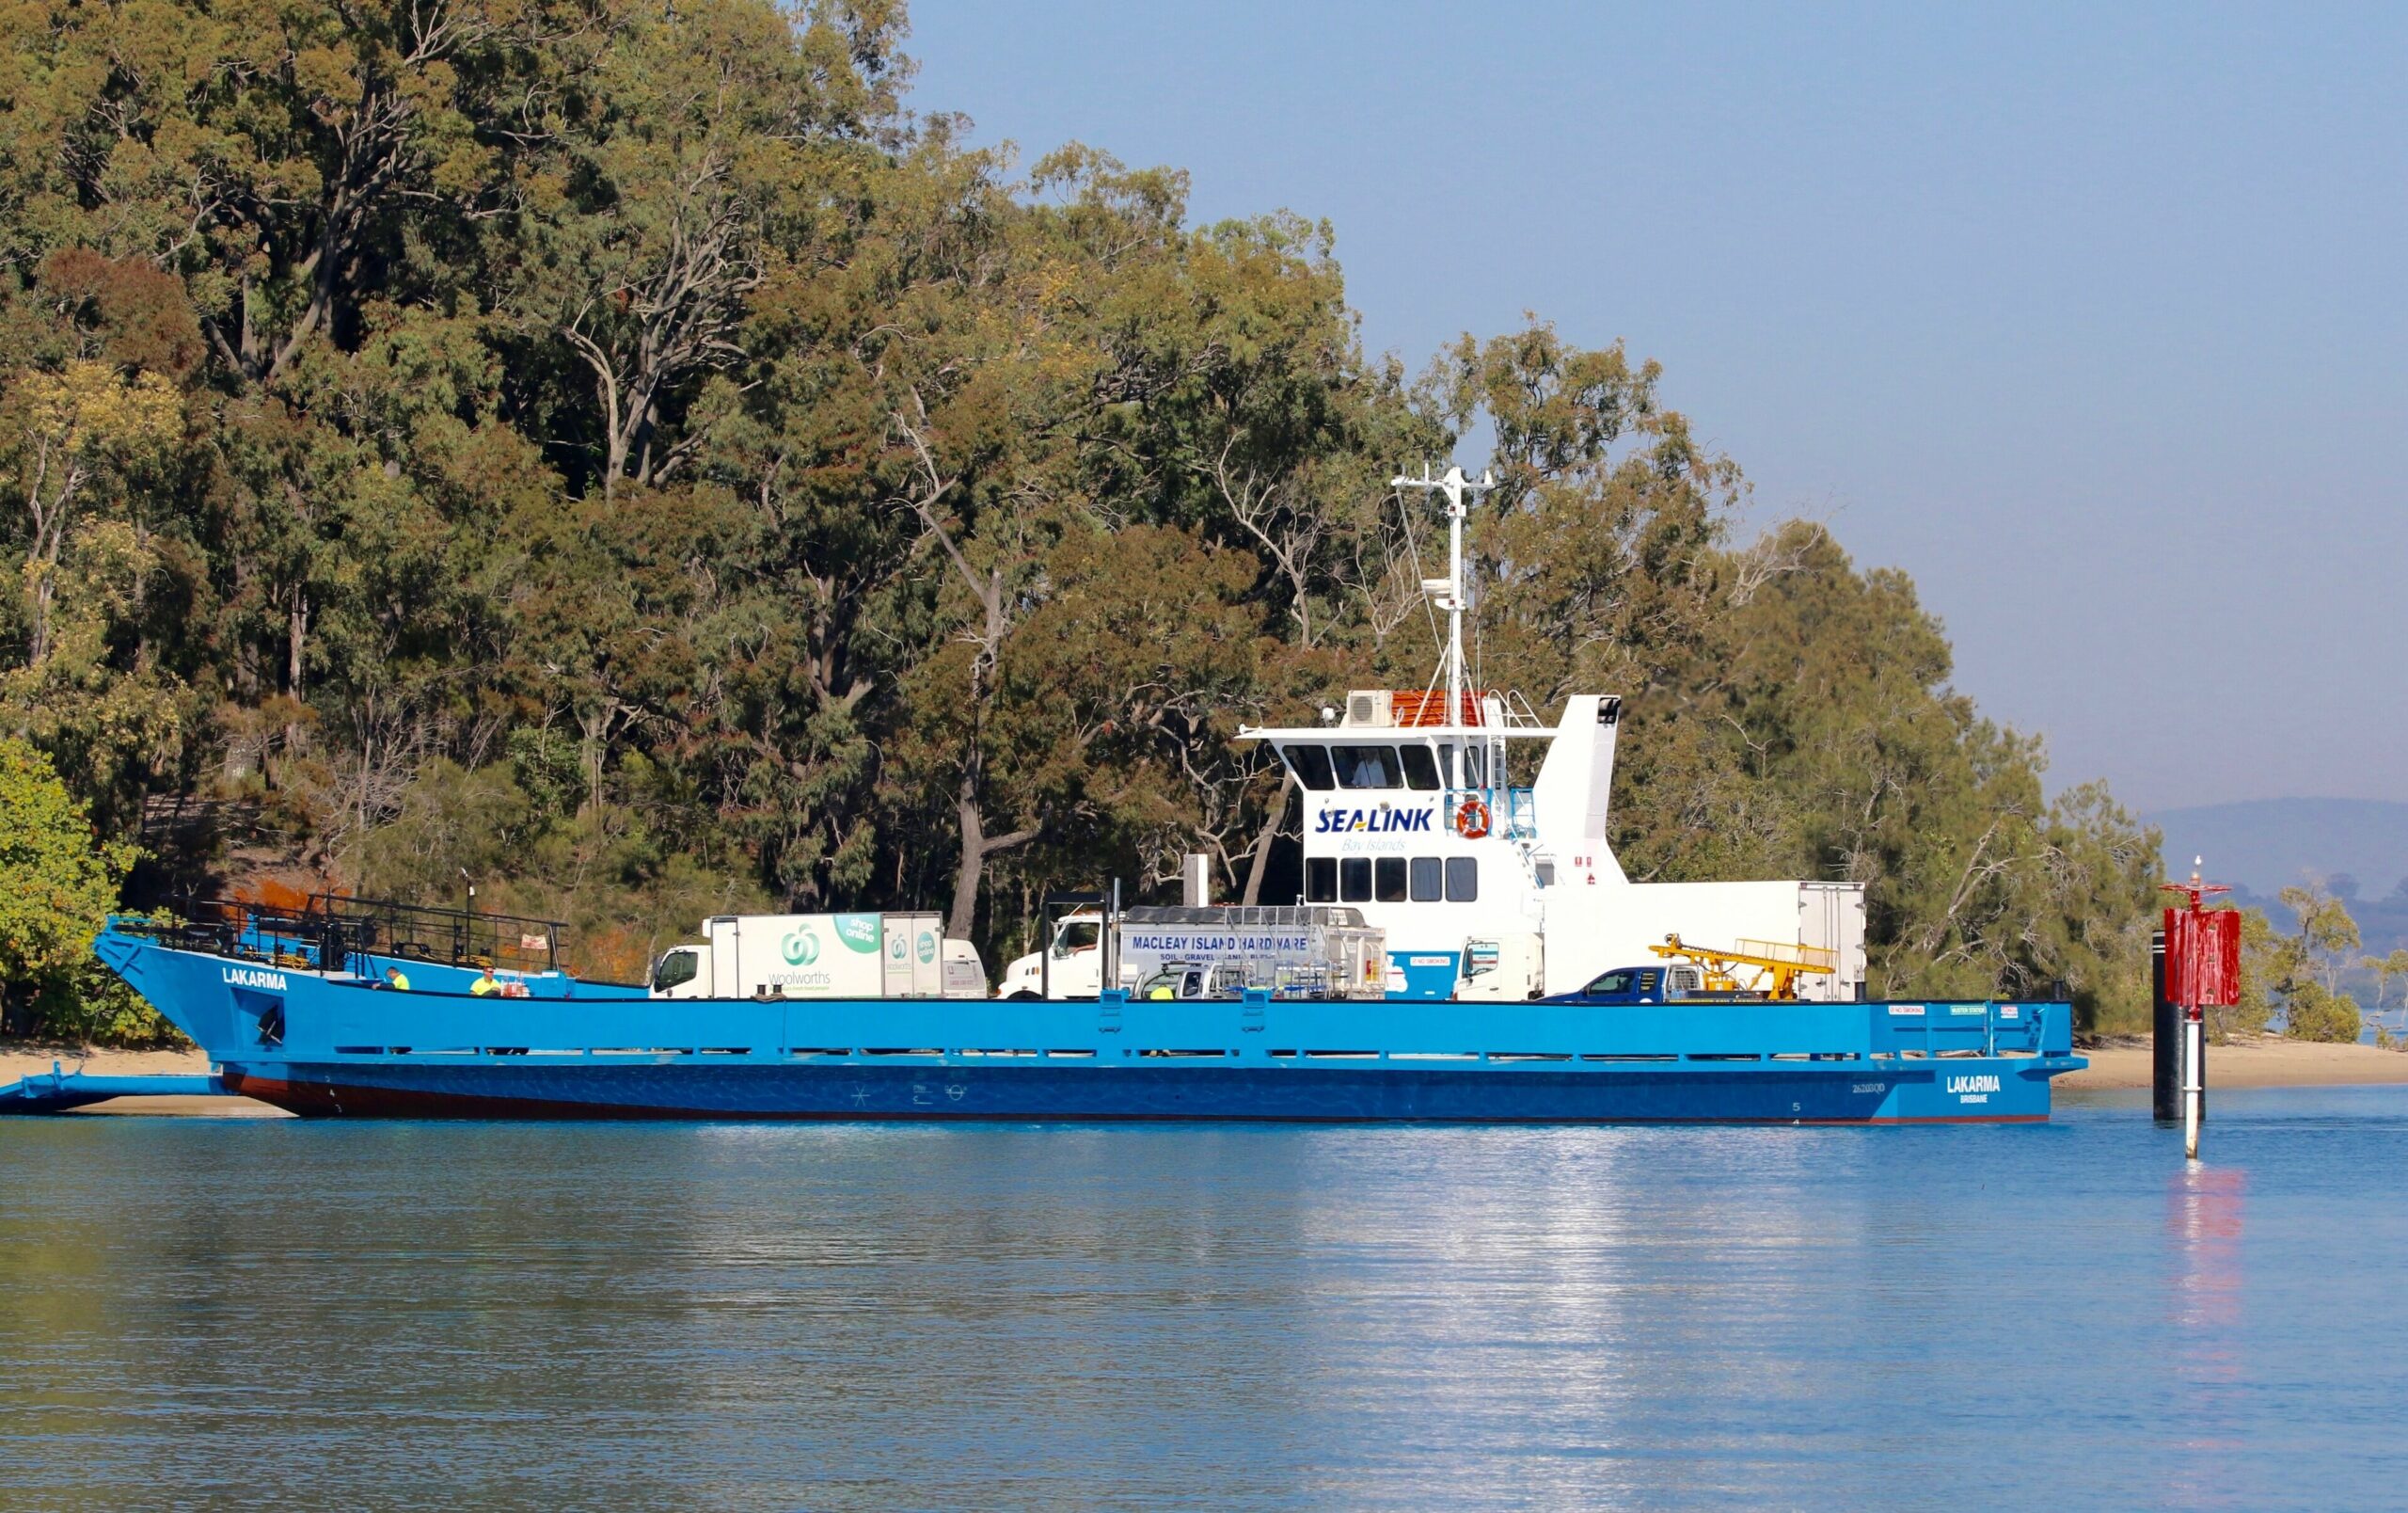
(1450, 590)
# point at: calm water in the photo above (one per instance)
(225, 1312)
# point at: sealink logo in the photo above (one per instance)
(245, 976)
(1375, 822)
(801, 947)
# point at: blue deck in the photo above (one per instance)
(334, 1044)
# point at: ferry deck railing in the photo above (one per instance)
(330, 931)
(1521, 814)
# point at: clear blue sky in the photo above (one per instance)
(2097, 325)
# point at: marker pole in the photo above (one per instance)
(2164, 1040)
(2194, 1077)
(2201, 964)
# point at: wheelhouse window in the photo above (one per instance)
(1474, 770)
(1321, 879)
(1429, 879)
(1463, 879)
(1311, 766)
(1355, 879)
(1388, 879)
(1366, 767)
(1420, 769)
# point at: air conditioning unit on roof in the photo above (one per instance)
(1369, 707)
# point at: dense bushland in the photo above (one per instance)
(620, 453)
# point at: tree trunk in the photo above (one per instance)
(977, 846)
(39, 650)
(50, 536)
(296, 633)
(593, 725)
(970, 868)
(1263, 840)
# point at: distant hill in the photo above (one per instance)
(2358, 846)
(2271, 843)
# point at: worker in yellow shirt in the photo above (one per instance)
(485, 986)
(395, 980)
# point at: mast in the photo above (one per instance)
(1449, 591)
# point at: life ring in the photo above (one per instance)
(1472, 821)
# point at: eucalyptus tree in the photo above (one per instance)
(619, 447)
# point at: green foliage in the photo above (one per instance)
(92, 1006)
(2388, 972)
(2303, 971)
(450, 826)
(625, 454)
(1810, 730)
(56, 883)
(2314, 1013)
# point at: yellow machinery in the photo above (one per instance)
(1777, 965)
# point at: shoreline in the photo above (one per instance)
(2264, 1061)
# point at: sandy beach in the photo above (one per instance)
(2266, 1062)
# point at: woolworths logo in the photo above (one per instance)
(801, 947)
(859, 931)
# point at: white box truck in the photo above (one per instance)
(1303, 951)
(822, 956)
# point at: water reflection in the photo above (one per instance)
(750, 1316)
(2204, 1220)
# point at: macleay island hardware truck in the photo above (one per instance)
(1290, 953)
(1308, 948)
(822, 956)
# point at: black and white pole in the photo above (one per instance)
(2164, 1040)
(2194, 1078)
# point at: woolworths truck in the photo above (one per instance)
(1206, 952)
(822, 956)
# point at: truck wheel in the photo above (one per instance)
(1023, 995)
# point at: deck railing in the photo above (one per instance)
(329, 932)
(1521, 814)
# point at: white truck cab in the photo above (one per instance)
(1071, 965)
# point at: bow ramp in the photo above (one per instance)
(59, 1091)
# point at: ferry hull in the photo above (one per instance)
(1310, 1095)
(333, 1043)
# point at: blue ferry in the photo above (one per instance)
(1508, 936)
(295, 1011)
